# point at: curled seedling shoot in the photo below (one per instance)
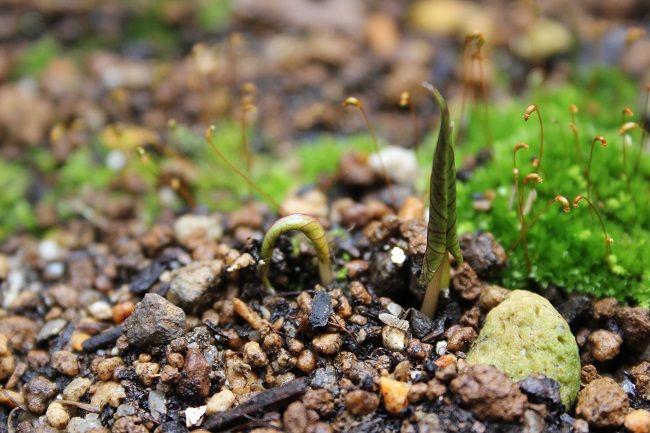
(537, 163)
(250, 182)
(608, 238)
(603, 143)
(406, 102)
(313, 230)
(356, 103)
(573, 109)
(442, 236)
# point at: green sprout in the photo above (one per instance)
(442, 236)
(313, 230)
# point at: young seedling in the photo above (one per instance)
(608, 238)
(442, 237)
(603, 143)
(313, 230)
(537, 163)
(356, 103)
(573, 108)
(404, 102)
(251, 183)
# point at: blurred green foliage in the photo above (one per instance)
(36, 57)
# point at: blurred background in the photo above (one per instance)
(84, 84)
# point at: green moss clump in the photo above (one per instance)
(567, 250)
(525, 335)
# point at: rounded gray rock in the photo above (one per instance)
(154, 322)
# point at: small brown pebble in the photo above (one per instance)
(175, 359)
(306, 361)
(588, 373)
(635, 323)
(65, 363)
(77, 339)
(356, 267)
(461, 338)
(319, 400)
(221, 401)
(57, 415)
(76, 389)
(295, 346)
(38, 392)
(638, 421)
(319, 427)
(147, 372)
(471, 317)
(358, 319)
(465, 282)
(641, 374)
(360, 293)
(295, 418)
(195, 377)
(121, 311)
(37, 359)
(604, 345)
(602, 403)
(418, 350)
(327, 344)
(254, 355)
(108, 393)
(129, 424)
(272, 343)
(445, 361)
(491, 296)
(361, 402)
(490, 393)
(417, 392)
(7, 360)
(285, 360)
(344, 309)
(170, 373)
(605, 308)
(394, 393)
(402, 371)
(105, 368)
(435, 389)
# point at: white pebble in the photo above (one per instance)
(400, 163)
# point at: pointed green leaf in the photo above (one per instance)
(442, 236)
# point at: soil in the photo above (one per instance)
(111, 325)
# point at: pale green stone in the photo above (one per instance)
(525, 335)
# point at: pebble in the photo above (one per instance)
(635, 323)
(295, 418)
(38, 391)
(195, 380)
(81, 425)
(101, 310)
(111, 393)
(394, 393)
(604, 345)
(491, 296)
(7, 360)
(105, 368)
(605, 308)
(190, 285)
(542, 39)
(465, 282)
(525, 335)
(327, 344)
(76, 389)
(638, 421)
(147, 372)
(641, 374)
(50, 329)
(254, 355)
(602, 403)
(221, 401)
(490, 393)
(540, 389)
(57, 415)
(483, 253)
(400, 164)
(306, 361)
(321, 309)
(65, 363)
(360, 402)
(460, 338)
(393, 338)
(155, 321)
(121, 311)
(206, 227)
(157, 404)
